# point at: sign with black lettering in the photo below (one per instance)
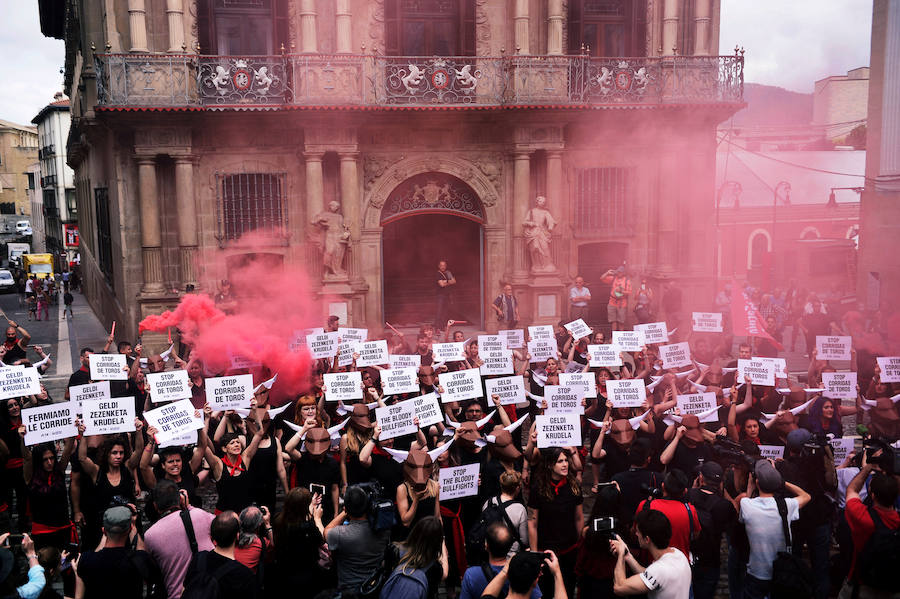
(771, 451)
(427, 409)
(174, 419)
(49, 423)
(459, 481)
(654, 332)
(171, 385)
(563, 399)
(488, 343)
(544, 331)
(890, 369)
(761, 372)
(511, 389)
(298, 338)
(542, 350)
(629, 340)
(604, 355)
(396, 420)
(405, 361)
(448, 352)
(400, 380)
(322, 345)
(240, 361)
(348, 334)
(698, 403)
(16, 381)
(108, 416)
(373, 353)
(558, 430)
(496, 362)
(584, 380)
(839, 385)
(343, 386)
(626, 393)
(707, 322)
(108, 367)
(229, 392)
(461, 385)
(578, 328)
(346, 349)
(842, 447)
(833, 348)
(513, 338)
(675, 355)
(80, 393)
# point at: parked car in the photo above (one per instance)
(22, 226)
(7, 282)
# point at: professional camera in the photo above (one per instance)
(815, 446)
(380, 511)
(727, 452)
(651, 492)
(888, 461)
(605, 527)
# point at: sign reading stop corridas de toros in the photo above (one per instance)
(626, 393)
(174, 419)
(229, 392)
(707, 322)
(461, 385)
(170, 385)
(343, 386)
(108, 367)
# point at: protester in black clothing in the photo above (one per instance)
(298, 533)
(717, 516)
(635, 481)
(236, 581)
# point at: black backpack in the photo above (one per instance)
(791, 577)
(205, 585)
(478, 532)
(708, 536)
(878, 561)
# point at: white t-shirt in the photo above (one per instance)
(763, 523)
(581, 295)
(29, 286)
(669, 577)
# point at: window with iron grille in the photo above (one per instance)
(250, 202)
(603, 199)
(104, 235)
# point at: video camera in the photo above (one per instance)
(727, 452)
(815, 446)
(380, 510)
(605, 527)
(888, 461)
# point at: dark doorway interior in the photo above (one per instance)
(594, 259)
(412, 248)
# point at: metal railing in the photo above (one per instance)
(308, 80)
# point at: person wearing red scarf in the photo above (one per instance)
(230, 471)
(45, 477)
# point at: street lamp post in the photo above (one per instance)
(734, 189)
(783, 188)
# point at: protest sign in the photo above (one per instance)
(626, 393)
(405, 361)
(558, 430)
(448, 352)
(170, 385)
(17, 381)
(513, 338)
(396, 420)
(675, 355)
(240, 361)
(345, 352)
(761, 372)
(322, 345)
(49, 423)
(563, 399)
(628, 340)
(544, 331)
(108, 367)
(707, 322)
(188, 438)
(298, 338)
(511, 389)
(496, 362)
(833, 348)
(108, 416)
(654, 332)
(174, 419)
(842, 447)
(348, 334)
(839, 385)
(542, 349)
(229, 392)
(400, 380)
(584, 380)
(343, 386)
(578, 328)
(771, 451)
(460, 385)
(459, 481)
(373, 353)
(606, 355)
(890, 369)
(80, 393)
(698, 403)
(488, 343)
(427, 409)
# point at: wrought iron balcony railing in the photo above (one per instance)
(310, 80)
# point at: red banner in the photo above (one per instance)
(746, 319)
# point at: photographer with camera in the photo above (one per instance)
(9, 570)
(594, 565)
(522, 573)
(668, 576)
(683, 518)
(717, 516)
(498, 540)
(356, 548)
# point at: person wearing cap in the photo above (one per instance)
(313, 467)
(763, 524)
(619, 292)
(356, 549)
(682, 516)
(706, 497)
(37, 580)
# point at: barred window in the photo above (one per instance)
(250, 202)
(104, 235)
(603, 199)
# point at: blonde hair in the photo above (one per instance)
(510, 482)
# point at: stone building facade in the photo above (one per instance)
(18, 151)
(840, 102)
(433, 124)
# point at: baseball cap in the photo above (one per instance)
(768, 478)
(712, 472)
(117, 520)
(796, 438)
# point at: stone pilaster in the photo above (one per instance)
(151, 239)
(308, 40)
(521, 193)
(187, 216)
(555, 27)
(701, 27)
(343, 22)
(670, 27)
(137, 25)
(521, 19)
(175, 13)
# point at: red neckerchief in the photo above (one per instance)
(232, 468)
(10, 344)
(559, 485)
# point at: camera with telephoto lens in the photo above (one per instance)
(815, 446)
(726, 452)
(651, 492)
(888, 461)
(380, 510)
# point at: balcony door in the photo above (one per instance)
(242, 27)
(608, 28)
(430, 27)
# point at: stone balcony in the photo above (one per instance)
(297, 81)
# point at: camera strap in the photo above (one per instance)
(189, 529)
(783, 512)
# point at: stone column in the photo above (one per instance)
(557, 205)
(350, 205)
(342, 25)
(315, 189)
(151, 239)
(521, 202)
(137, 25)
(555, 27)
(521, 20)
(670, 27)
(701, 27)
(175, 12)
(308, 43)
(187, 216)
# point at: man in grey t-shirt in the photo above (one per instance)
(357, 550)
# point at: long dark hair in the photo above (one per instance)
(544, 474)
(608, 503)
(38, 476)
(423, 545)
(296, 508)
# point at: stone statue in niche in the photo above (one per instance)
(335, 239)
(537, 229)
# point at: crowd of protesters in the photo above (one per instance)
(308, 500)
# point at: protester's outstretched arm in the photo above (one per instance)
(146, 466)
(135, 458)
(748, 396)
(669, 452)
(87, 464)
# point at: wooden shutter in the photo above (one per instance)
(206, 37)
(282, 26)
(392, 27)
(467, 27)
(574, 26)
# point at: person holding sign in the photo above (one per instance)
(48, 497)
(231, 471)
(171, 466)
(11, 475)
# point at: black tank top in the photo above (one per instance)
(234, 491)
(104, 491)
(48, 502)
(263, 471)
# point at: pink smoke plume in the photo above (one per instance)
(273, 304)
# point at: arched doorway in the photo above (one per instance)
(428, 218)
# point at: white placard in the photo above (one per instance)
(629, 340)
(779, 364)
(373, 353)
(400, 380)
(49, 423)
(513, 338)
(707, 322)
(563, 399)
(459, 481)
(542, 349)
(488, 343)
(188, 438)
(348, 334)
(405, 361)
(544, 331)
(558, 430)
(343, 386)
(771, 451)
(675, 355)
(839, 385)
(654, 332)
(15, 382)
(604, 355)
(626, 393)
(697, 403)
(229, 392)
(448, 352)
(81, 393)
(345, 352)
(108, 416)
(396, 420)
(427, 409)
(833, 348)
(174, 419)
(240, 361)
(842, 447)
(761, 372)
(511, 389)
(108, 367)
(585, 380)
(170, 385)
(297, 341)
(322, 346)
(461, 385)
(579, 329)
(890, 369)
(496, 362)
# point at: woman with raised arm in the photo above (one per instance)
(230, 471)
(45, 479)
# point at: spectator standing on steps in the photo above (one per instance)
(619, 293)
(445, 282)
(579, 297)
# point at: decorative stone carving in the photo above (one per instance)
(335, 238)
(293, 18)
(374, 166)
(538, 231)
(195, 27)
(482, 30)
(376, 23)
